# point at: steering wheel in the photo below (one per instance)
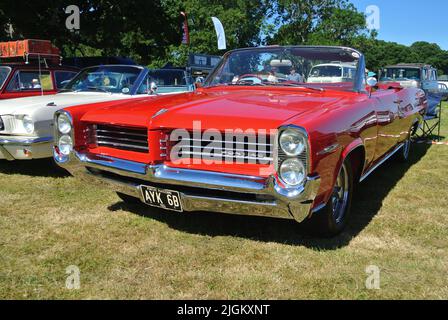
(253, 78)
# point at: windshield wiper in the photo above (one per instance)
(299, 86)
(242, 83)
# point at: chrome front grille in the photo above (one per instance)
(9, 124)
(123, 138)
(255, 149)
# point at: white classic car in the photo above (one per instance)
(26, 124)
(334, 72)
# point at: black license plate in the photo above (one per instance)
(161, 198)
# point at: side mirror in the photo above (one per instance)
(152, 88)
(372, 82)
(200, 80)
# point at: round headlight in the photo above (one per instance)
(64, 124)
(28, 124)
(292, 142)
(65, 145)
(292, 172)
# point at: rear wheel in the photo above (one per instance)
(332, 219)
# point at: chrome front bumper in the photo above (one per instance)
(199, 190)
(21, 148)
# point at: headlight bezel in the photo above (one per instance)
(68, 142)
(28, 124)
(303, 157)
(61, 154)
(68, 124)
(300, 147)
(300, 166)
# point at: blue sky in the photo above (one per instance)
(408, 21)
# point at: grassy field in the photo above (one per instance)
(49, 221)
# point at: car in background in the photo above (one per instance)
(31, 67)
(26, 130)
(19, 80)
(245, 142)
(443, 82)
(170, 80)
(335, 72)
(416, 75)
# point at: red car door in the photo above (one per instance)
(388, 121)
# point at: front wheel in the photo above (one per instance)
(403, 154)
(332, 219)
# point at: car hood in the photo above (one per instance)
(255, 109)
(29, 105)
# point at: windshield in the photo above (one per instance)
(111, 79)
(168, 78)
(400, 74)
(288, 66)
(4, 72)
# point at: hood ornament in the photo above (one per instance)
(158, 113)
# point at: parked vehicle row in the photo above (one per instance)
(285, 132)
(26, 124)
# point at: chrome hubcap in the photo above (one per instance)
(340, 195)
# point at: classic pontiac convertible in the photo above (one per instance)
(250, 141)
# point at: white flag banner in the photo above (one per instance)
(220, 34)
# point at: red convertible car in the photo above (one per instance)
(31, 68)
(256, 139)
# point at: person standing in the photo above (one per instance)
(294, 76)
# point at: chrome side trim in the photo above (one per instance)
(384, 159)
(329, 149)
(25, 141)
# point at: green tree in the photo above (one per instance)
(242, 20)
(109, 27)
(334, 22)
